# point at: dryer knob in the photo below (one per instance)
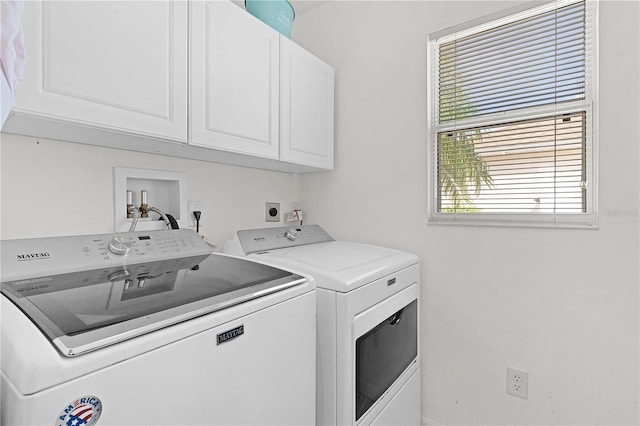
(291, 235)
(120, 245)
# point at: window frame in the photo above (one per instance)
(589, 219)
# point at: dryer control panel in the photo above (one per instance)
(265, 239)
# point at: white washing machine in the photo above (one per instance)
(368, 305)
(152, 329)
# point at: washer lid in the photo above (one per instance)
(84, 311)
(340, 265)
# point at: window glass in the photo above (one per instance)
(512, 135)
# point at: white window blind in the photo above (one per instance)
(512, 119)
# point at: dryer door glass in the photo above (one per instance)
(383, 354)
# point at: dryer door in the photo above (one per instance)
(385, 350)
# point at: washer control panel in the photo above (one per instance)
(265, 239)
(46, 256)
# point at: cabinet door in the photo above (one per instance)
(234, 80)
(116, 65)
(306, 107)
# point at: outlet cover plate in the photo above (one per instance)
(272, 212)
(195, 206)
(518, 382)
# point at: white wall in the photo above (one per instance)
(52, 188)
(562, 304)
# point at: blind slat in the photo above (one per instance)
(527, 26)
(533, 159)
(536, 61)
(531, 20)
(516, 64)
(454, 55)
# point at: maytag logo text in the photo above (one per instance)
(33, 256)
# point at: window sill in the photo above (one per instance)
(551, 221)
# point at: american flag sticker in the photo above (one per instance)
(84, 411)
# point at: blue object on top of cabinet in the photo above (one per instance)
(278, 14)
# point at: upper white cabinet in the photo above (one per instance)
(199, 79)
(118, 65)
(306, 107)
(234, 80)
(255, 91)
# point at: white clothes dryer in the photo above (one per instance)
(368, 312)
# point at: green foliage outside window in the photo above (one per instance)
(461, 170)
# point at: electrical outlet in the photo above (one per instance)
(518, 382)
(272, 212)
(193, 206)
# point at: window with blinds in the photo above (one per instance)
(512, 132)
